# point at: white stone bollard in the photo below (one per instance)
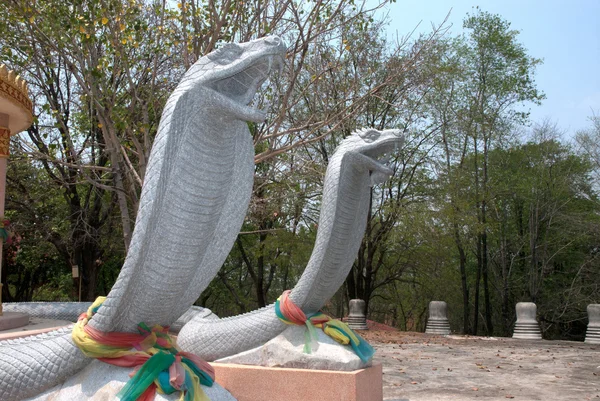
(437, 322)
(527, 327)
(357, 320)
(592, 335)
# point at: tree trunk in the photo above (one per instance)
(260, 270)
(462, 264)
(477, 285)
(484, 244)
(506, 321)
(479, 241)
(351, 282)
(486, 292)
(533, 238)
(89, 272)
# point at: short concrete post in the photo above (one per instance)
(592, 335)
(357, 320)
(437, 322)
(527, 326)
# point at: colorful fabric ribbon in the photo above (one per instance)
(158, 364)
(290, 313)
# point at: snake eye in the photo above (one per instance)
(226, 54)
(370, 135)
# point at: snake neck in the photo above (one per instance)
(342, 222)
(185, 188)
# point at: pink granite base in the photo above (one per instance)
(11, 320)
(253, 383)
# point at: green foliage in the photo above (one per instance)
(35, 211)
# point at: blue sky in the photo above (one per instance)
(565, 34)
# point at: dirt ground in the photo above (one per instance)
(422, 367)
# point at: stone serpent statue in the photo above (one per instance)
(352, 170)
(193, 202)
(70, 311)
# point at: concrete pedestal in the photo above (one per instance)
(527, 327)
(592, 335)
(437, 321)
(12, 320)
(253, 383)
(357, 318)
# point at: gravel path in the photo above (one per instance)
(421, 367)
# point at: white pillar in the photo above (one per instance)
(437, 321)
(592, 335)
(527, 326)
(357, 319)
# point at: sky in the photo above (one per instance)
(564, 33)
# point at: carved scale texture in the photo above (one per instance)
(52, 350)
(70, 312)
(342, 224)
(21, 364)
(177, 221)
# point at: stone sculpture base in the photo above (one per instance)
(527, 331)
(437, 321)
(527, 327)
(12, 320)
(440, 327)
(357, 323)
(592, 335)
(100, 381)
(252, 383)
(287, 351)
(357, 320)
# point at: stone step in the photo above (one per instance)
(438, 326)
(357, 320)
(357, 323)
(592, 336)
(437, 321)
(527, 331)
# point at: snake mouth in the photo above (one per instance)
(241, 87)
(382, 151)
(383, 164)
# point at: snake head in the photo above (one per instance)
(369, 146)
(233, 73)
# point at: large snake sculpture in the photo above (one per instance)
(352, 170)
(193, 202)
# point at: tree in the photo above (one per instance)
(98, 88)
(100, 81)
(501, 76)
(588, 141)
(543, 225)
(484, 77)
